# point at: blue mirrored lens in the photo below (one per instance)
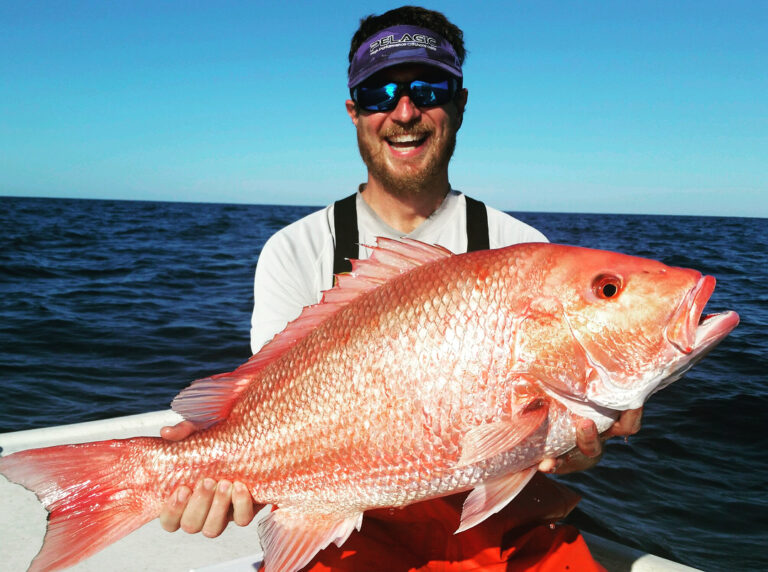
(421, 93)
(427, 94)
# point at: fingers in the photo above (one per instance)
(574, 460)
(173, 509)
(587, 439)
(199, 504)
(208, 508)
(242, 503)
(230, 502)
(548, 465)
(589, 448)
(219, 512)
(627, 424)
(589, 444)
(177, 432)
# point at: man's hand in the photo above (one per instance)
(211, 505)
(589, 445)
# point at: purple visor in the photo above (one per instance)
(402, 45)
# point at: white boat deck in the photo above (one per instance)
(23, 520)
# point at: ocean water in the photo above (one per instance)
(110, 308)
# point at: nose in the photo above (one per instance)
(405, 111)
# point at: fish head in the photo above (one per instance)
(638, 324)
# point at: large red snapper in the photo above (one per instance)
(420, 375)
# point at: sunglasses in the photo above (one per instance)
(421, 93)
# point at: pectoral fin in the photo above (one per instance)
(491, 439)
(490, 497)
(290, 538)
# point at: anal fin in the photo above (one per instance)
(290, 538)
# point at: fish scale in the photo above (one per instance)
(420, 374)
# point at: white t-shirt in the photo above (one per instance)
(296, 263)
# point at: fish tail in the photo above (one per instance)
(86, 491)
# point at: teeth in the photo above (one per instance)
(405, 139)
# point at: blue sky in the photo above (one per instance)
(616, 107)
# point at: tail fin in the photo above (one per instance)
(84, 488)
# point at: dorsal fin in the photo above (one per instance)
(209, 400)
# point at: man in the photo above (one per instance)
(407, 104)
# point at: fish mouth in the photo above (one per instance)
(691, 331)
(713, 328)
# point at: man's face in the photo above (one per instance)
(409, 147)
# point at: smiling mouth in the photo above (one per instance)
(405, 143)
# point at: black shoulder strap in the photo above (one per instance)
(477, 225)
(347, 236)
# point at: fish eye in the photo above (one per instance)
(606, 286)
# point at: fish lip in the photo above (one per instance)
(682, 330)
(714, 327)
(690, 331)
(710, 331)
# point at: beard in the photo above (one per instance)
(409, 178)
